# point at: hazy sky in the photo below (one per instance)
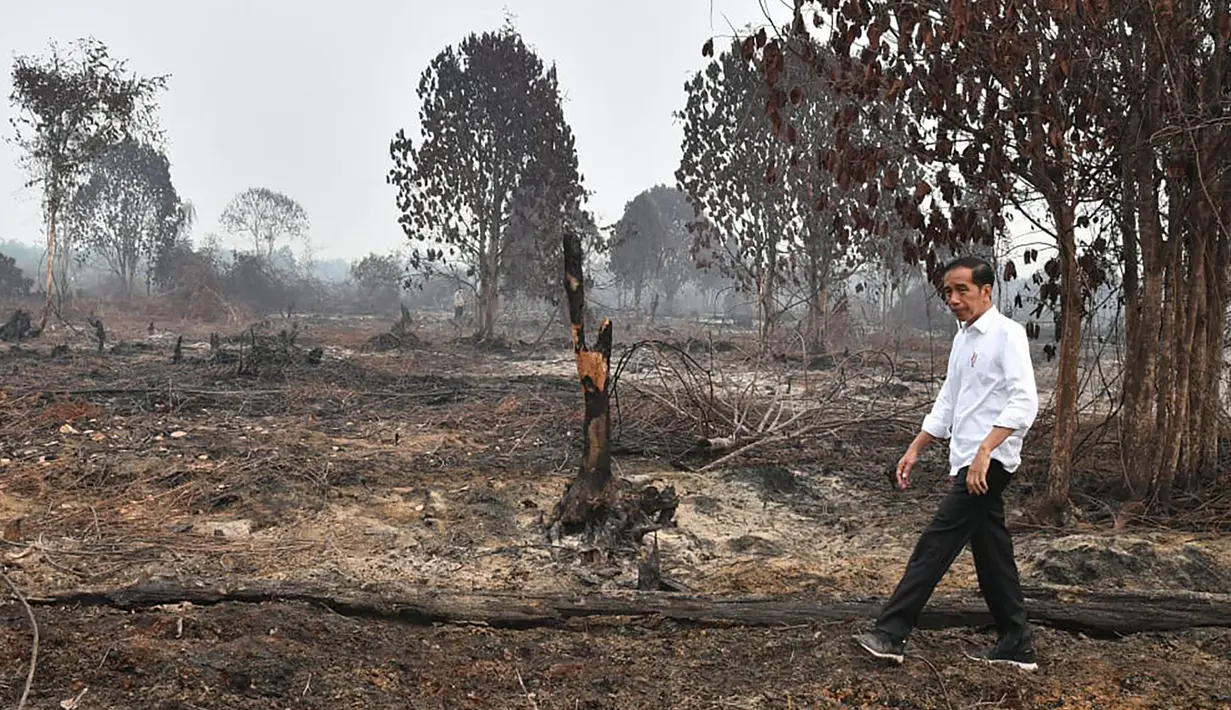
(303, 96)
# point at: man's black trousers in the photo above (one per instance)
(963, 518)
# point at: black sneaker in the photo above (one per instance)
(882, 645)
(1022, 657)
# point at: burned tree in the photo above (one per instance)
(771, 212)
(650, 245)
(585, 495)
(1071, 115)
(743, 210)
(996, 101)
(100, 332)
(128, 212)
(594, 502)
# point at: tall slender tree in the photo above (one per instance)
(1173, 71)
(72, 105)
(730, 170)
(773, 206)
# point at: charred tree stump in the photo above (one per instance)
(19, 326)
(588, 494)
(604, 509)
(100, 334)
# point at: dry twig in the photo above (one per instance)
(529, 696)
(21, 704)
(944, 689)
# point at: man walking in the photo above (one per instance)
(985, 407)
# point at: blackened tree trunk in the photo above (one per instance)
(1099, 613)
(590, 492)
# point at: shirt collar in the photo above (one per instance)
(984, 322)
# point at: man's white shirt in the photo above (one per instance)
(989, 383)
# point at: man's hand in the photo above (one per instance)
(976, 475)
(905, 464)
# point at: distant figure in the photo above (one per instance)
(459, 304)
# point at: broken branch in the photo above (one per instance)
(25, 693)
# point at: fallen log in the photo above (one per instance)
(1099, 613)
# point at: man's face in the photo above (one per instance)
(966, 300)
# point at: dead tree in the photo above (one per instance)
(588, 493)
(595, 503)
(100, 334)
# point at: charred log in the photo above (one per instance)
(1099, 613)
(19, 326)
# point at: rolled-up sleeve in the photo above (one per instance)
(1023, 397)
(939, 422)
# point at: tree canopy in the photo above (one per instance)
(265, 217)
(494, 175)
(651, 244)
(1103, 125)
(771, 212)
(378, 274)
(128, 211)
(13, 283)
(72, 106)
